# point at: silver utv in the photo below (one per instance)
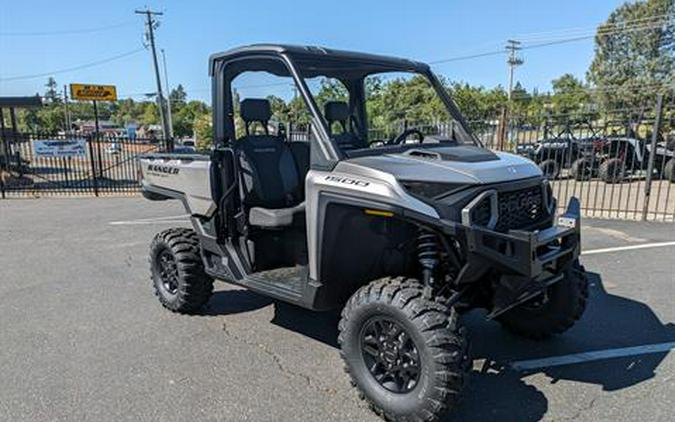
(403, 233)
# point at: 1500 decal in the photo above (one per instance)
(347, 181)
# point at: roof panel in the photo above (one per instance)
(314, 52)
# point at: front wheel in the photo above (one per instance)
(550, 168)
(554, 311)
(407, 354)
(581, 170)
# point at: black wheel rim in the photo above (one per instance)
(390, 355)
(168, 272)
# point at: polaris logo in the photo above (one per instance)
(163, 169)
(347, 181)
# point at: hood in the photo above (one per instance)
(456, 164)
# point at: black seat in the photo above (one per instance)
(338, 112)
(300, 151)
(270, 181)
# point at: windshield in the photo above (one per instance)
(369, 109)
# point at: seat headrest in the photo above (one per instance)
(336, 111)
(255, 110)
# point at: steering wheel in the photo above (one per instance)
(404, 135)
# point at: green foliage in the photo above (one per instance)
(52, 91)
(634, 54)
(178, 95)
(184, 117)
(150, 114)
(570, 97)
(203, 129)
(478, 103)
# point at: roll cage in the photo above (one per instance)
(298, 63)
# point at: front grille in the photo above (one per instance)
(521, 209)
(517, 210)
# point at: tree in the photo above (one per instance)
(184, 118)
(126, 111)
(634, 53)
(150, 114)
(478, 103)
(203, 128)
(52, 93)
(570, 96)
(178, 96)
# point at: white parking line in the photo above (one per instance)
(156, 220)
(628, 248)
(524, 365)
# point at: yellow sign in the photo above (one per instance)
(93, 92)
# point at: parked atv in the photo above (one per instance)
(620, 157)
(559, 152)
(403, 236)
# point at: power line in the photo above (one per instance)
(645, 27)
(652, 25)
(67, 31)
(468, 57)
(72, 69)
(573, 31)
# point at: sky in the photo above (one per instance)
(43, 36)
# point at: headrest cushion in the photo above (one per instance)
(255, 110)
(336, 111)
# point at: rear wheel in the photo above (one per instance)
(407, 355)
(612, 170)
(550, 169)
(178, 275)
(554, 311)
(669, 170)
(581, 169)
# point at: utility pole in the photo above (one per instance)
(513, 60)
(150, 25)
(65, 109)
(168, 95)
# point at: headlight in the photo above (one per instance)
(431, 190)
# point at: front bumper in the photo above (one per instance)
(528, 254)
(527, 263)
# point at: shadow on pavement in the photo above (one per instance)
(228, 302)
(496, 391)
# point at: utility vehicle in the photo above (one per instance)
(561, 151)
(615, 158)
(403, 236)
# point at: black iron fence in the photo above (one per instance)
(65, 164)
(618, 167)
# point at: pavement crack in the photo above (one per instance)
(278, 362)
(584, 409)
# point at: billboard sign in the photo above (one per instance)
(59, 147)
(93, 92)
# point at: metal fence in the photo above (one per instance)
(102, 166)
(618, 167)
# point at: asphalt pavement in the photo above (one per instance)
(82, 338)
